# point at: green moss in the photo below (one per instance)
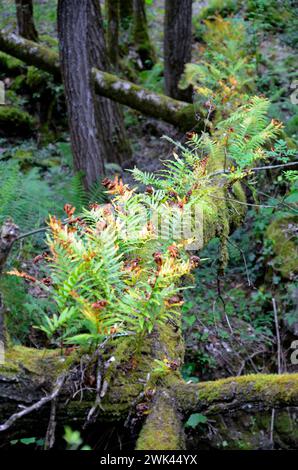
(37, 78)
(18, 83)
(162, 430)
(48, 40)
(281, 232)
(38, 361)
(14, 121)
(282, 386)
(10, 65)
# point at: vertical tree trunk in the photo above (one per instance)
(141, 34)
(26, 27)
(96, 124)
(113, 16)
(177, 45)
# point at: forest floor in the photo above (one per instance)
(228, 322)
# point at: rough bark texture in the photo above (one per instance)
(177, 46)
(141, 34)
(96, 127)
(26, 26)
(178, 113)
(113, 17)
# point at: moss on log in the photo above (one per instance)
(152, 104)
(31, 53)
(10, 65)
(15, 122)
(163, 429)
(29, 374)
(180, 114)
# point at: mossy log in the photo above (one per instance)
(180, 114)
(16, 122)
(29, 374)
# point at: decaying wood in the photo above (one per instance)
(181, 114)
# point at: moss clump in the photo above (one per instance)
(281, 232)
(48, 40)
(36, 78)
(38, 361)
(19, 83)
(10, 65)
(15, 122)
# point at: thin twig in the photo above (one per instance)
(50, 435)
(244, 260)
(36, 406)
(279, 369)
(255, 169)
(272, 428)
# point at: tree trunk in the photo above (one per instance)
(96, 127)
(177, 46)
(25, 21)
(141, 34)
(179, 113)
(113, 16)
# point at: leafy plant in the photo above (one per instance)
(113, 271)
(223, 78)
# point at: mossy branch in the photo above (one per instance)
(247, 392)
(180, 114)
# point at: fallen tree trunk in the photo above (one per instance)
(29, 374)
(180, 114)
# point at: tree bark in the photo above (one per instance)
(25, 20)
(177, 46)
(113, 16)
(141, 36)
(178, 113)
(96, 126)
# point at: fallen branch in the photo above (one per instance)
(36, 406)
(180, 114)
